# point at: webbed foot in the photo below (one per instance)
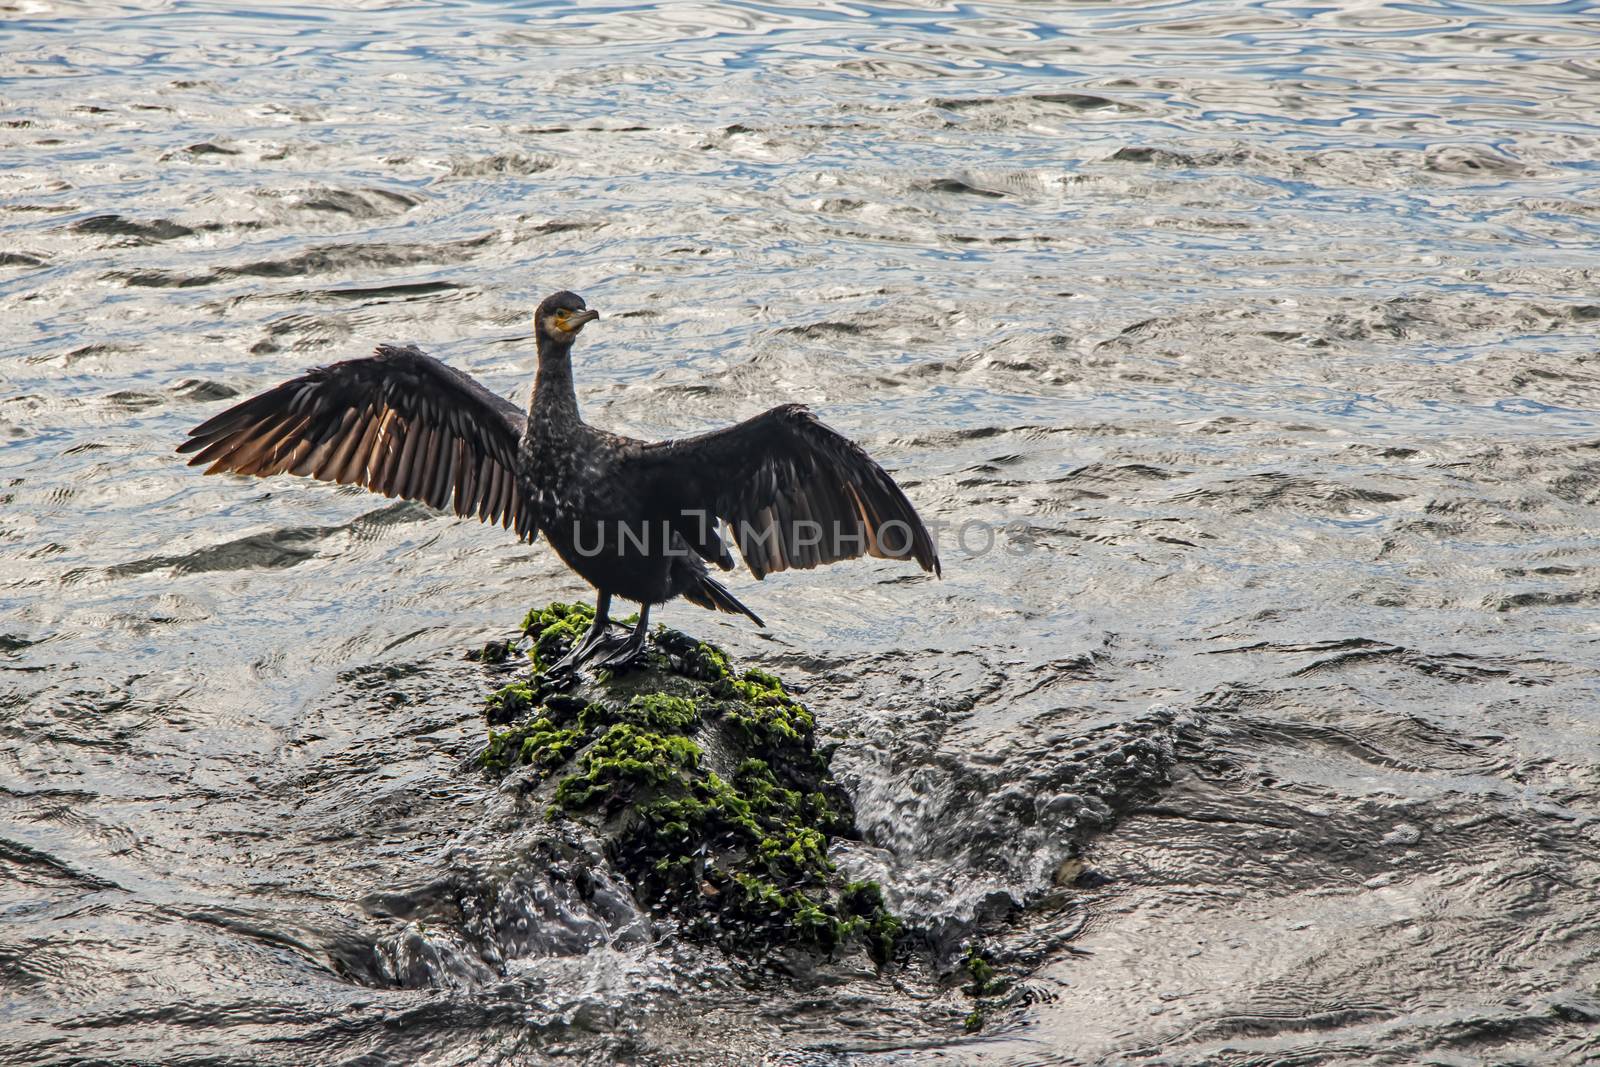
(631, 651)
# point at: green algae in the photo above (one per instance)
(540, 743)
(514, 701)
(984, 982)
(871, 919)
(624, 761)
(660, 711)
(555, 629)
(706, 784)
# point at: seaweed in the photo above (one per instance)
(985, 982)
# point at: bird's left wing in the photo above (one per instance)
(399, 423)
(795, 492)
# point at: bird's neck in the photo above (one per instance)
(554, 395)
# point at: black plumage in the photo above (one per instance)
(637, 520)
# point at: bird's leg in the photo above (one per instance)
(586, 648)
(632, 649)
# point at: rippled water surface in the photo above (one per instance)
(1274, 324)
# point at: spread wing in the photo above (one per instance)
(399, 423)
(796, 494)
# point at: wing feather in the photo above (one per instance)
(390, 447)
(795, 492)
(399, 423)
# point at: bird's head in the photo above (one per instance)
(561, 316)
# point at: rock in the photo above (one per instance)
(705, 783)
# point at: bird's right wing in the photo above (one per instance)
(399, 423)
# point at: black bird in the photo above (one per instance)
(635, 519)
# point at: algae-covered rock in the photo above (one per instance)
(706, 783)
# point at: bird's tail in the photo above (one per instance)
(710, 593)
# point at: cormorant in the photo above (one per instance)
(635, 519)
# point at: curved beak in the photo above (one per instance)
(582, 319)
